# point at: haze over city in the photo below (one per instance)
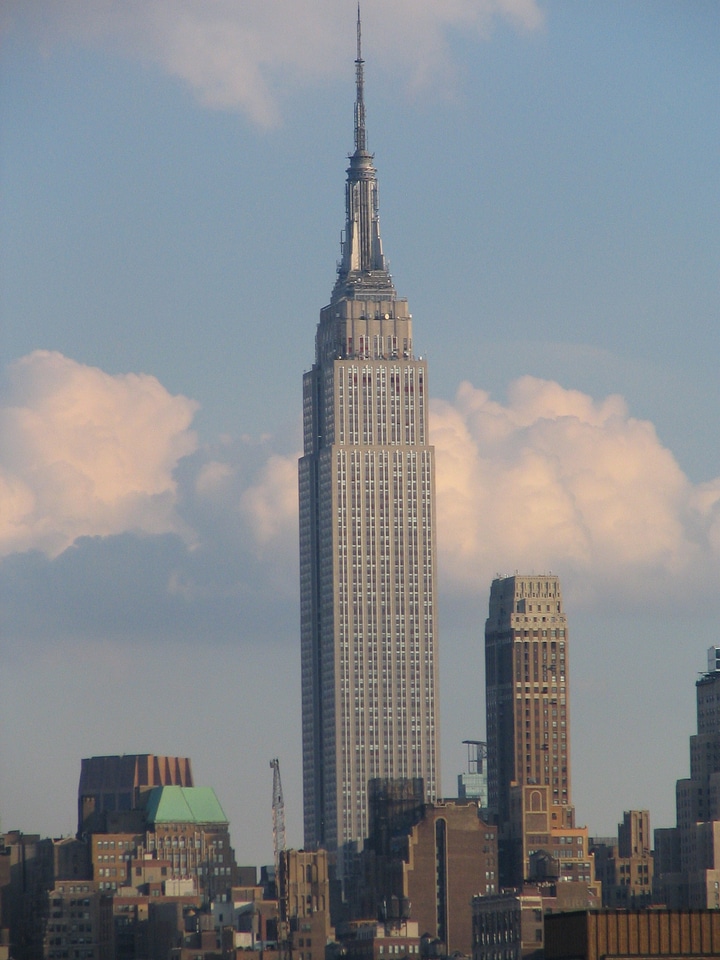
(173, 196)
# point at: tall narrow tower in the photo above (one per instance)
(367, 535)
(528, 725)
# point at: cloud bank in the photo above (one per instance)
(115, 523)
(243, 55)
(103, 481)
(554, 480)
(86, 453)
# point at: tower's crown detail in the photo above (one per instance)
(362, 270)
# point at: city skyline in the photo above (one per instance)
(549, 188)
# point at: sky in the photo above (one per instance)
(172, 176)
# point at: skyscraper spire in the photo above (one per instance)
(362, 270)
(360, 140)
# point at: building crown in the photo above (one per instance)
(362, 271)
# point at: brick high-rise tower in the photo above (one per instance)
(528, 732)
(367, 536)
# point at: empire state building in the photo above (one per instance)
(367, 536)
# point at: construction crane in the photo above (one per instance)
(278, 814)
(278, 822)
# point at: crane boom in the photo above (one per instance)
(278, 822)
(278, 814)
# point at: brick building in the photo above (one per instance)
(115, 784)
(79, 922)
(625, 867)
(28, 874)
(305, 902)
(187, 827)
(511, 925)
(528, 733)
(425, 862)
(637, 934)
(373, 940)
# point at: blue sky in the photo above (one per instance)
(172, 180)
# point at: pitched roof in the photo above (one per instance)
(184, 805)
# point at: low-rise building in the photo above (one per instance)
(510, 925)
(625, 866)
(305, 903)
(111, 856)
(637, 934)
(543, 842)
(79, 923)
(373, 940)
(28, 865)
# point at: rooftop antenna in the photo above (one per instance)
(360, 144)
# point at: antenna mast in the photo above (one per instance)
(360, 144)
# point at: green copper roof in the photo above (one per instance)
(184, 805)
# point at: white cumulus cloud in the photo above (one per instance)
(550, 479)
(86, 453)
(555, 480)
(271, 504)
(245, 53)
